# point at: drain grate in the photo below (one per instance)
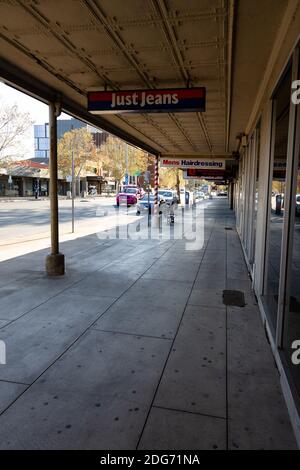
(228, 228)
(234, 298)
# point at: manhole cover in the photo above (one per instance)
(233, 298)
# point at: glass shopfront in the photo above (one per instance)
(256, 188)
(280, 128)
(270, 163)
(291, 315)
(291, 341)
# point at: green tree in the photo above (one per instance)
(171, 178)
(80, 144)
(119, 156)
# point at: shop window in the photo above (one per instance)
(281, 108)
(256, 187)
(291, 328)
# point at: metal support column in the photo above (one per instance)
(55, 262)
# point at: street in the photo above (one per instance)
(25, 224)
(24, 220)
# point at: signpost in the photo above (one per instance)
(147, 176)
(167, 100)
(73, 193)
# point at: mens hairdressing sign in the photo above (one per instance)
(216, 164)
(147, 101)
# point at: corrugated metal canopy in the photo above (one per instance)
(65, 48)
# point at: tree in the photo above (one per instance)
(80, 143)
(13, 126)
(137, 160)
(171, 178)
(117, 155)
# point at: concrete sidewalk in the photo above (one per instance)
(134, 349)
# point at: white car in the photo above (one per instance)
(200, 195)
(168, 195)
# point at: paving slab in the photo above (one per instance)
(181, 272)
(243, 285)
(176, 430)
(159, 292)
(9, 392)
(96, 396)
(141, 318)
(206, 297)
(104, 284)
(25, 294)
(36, 340)
(174, 257)
(257, 413)
(209, 279)
(258, 417)
(195, 376)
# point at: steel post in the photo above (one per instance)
(55, 262)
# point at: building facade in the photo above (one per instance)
(267, 205)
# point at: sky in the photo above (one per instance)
(37, 110)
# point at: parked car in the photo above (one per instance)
(222, 193)
(169, 196)
(147, 205)
(128, 195)
(140, 191)
(199, 195)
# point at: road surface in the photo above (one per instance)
(26, 220)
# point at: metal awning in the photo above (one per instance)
(58, 51)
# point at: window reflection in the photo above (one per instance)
(281, 110)
(292, 314)
(255, 204)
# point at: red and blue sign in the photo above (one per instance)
(171, 100)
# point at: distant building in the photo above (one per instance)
(42, 138)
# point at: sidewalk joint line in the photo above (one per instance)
(180, 410)
(131, 334)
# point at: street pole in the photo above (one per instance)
(73, 192)
(149, 208)
(126, 157)
(73, 184)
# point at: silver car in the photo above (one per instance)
(146, 204)
(168, 195)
